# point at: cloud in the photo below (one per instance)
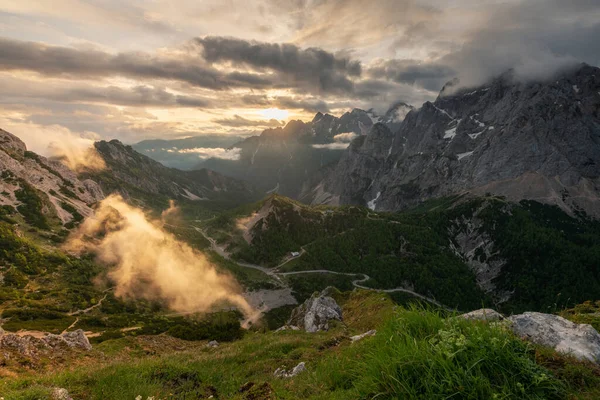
(312, 68)
(137, 96)
(75, 151)
(146, 262)
(431, 76)
(85, 63)
(237, 121)
(345, 137)
(332, 146)
(205, 153)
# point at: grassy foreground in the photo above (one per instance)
(416, 354)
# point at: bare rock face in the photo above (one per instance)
(523, 140)
(62, 194)
(31, 347)
(580, 340)
(484, 314)
(315, 313)
(282, 373)
(76, 339)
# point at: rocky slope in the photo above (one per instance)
(522, 140)
(42, 190)
(136, 176)
(282, 159)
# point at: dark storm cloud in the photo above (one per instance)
(286, 102)
(142, 95)
(310, 105)
(71, 62)
(312, 67)
(238, 121)
(426, 75)
(535, 37)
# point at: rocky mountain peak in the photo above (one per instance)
(10, 142)
(537, 140)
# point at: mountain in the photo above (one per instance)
(183, 153)
(44, 193)
(461, 251)
(136, 176)
(282, 159)
(523, 140)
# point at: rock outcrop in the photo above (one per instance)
(24, 174)
(282, 373)
(315, 313)
(523, 140)
(133, 174)
(15, 346)
(579, 340)
(484, 314)
(356, 338)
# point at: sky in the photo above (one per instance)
(141, 69)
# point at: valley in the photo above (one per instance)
(133, 271)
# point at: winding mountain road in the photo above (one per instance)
(277, 275)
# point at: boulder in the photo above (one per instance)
(60, 394)
(483, 314)
(212, 344)
(287, 328)
(75, 339)
(356, 338)
(315, 313)
(282, 373)
(579, 340)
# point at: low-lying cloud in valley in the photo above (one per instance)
(204, 153)
(146, 262)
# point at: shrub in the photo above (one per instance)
(420, 355)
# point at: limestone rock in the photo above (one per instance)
(60, 394)
(282, 373)
(580, 340)
(315, 313)
(356, 338)
(483, 314)
(77, 339)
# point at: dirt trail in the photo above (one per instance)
(87, 310)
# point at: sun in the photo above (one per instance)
(274, 113)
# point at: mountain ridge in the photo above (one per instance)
(533, 140)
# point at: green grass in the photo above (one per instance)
(417, 353)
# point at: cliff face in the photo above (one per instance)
(42, 188)
(134, 175)
(533, 140)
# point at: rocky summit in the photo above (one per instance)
(536, 140)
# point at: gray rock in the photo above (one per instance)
(315, 313)
(362, 336)
(580, 340)
(288, 328)
(213, 344)
(282, 373)
(60, 394)
(75, 339)
(484, 314)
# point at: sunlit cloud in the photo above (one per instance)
(205, 153)
(274, 113)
